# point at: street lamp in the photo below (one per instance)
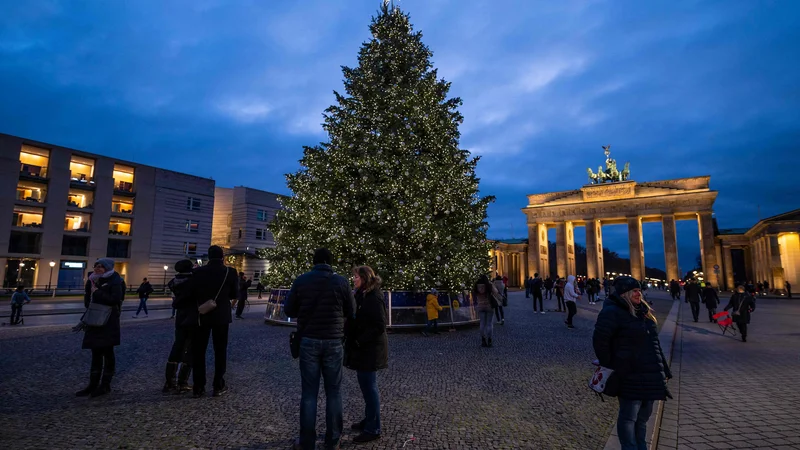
(165, 278)
(19, 275)
(50, 280)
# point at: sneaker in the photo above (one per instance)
(363, 438)
(541, 312)
(570, 327)
(239, 317)
(503, 322)
(220, 392)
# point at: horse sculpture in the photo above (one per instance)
(626, 172)
(610, 173)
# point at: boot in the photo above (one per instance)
(169, 385)
(94, 380)
(483, 342)
(183, 378)
(105, 386)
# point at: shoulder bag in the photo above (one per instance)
(296, 336)
(738, 311)
(211, 304)
(96, 315)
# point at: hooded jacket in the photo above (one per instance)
(569, 290)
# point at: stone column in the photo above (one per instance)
(728, 266)
(509, 267)
(571, 249)
(635, 247)
(592, 270)
(533, 249)
(748, 262)
(709, 255)
(561, 249)
(790, 259)
(778, 272)
(601, 265)
(521, 272)
(670, 246)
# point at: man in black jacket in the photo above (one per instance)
(321, 300)
(692, 293)
(214, 281)
(711, 299)
(536, 290)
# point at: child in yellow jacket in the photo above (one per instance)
(433, 308)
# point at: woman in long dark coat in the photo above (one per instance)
(104, 287)
(367, 348)
(742, 305)
(626, 340)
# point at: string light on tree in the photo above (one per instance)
(390, 188)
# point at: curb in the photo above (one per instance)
(667, 339)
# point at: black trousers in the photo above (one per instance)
(711, 312)
(742, 326)
(537, 295)
(695, 310)
(240, 306)
(499, 313)
(181, 347)
(16, 311)
(573, 309)
(199, 337)
(104, 361)
(561, 306)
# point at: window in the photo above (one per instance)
(257, 275)
(121, 205)
(192, 226)
(22, 242)
(119, 226)
(262, 215)
(118, 248)
(193, 204)
(81, 170)
(33, 161)
(261, 234)
(123, 178)
(28, 191)
(190, 248)
(74, 245)
(24, 216)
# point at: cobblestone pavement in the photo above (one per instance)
(732, 394)
(528, 392)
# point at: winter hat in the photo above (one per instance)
(215, 252)
(184, 266)
(625, 284)
(105, 263)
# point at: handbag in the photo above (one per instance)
(738, 311)
(600, 378)
(210, 305)
(96, 315)
(296, 336)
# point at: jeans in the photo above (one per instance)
(537, 295)
(573, 309)
(632, 423)
(695, 310)
(142, 305)
(549, 293)
(181, 347)
(199, 338)
(486, 323)
(433, 325)
(16, 312)
(368, 381)
(499, 313)
(321, 357)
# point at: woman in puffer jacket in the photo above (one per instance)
(626, 341)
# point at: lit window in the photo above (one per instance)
(192, 226)
(261, 234)
(190, 248)
(193, 204)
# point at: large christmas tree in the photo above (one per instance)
(391, 188)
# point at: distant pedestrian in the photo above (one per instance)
(500, 285)
(144, 291)
(626, 340)
(711, 300)
(675, 289)
(548, 287)
(559, 288)
(486, 296)
(536, 290)
(742, 305)
(788, 288)
(582, 286)
(692, 294)
(528, 282)
(18, 298)
(607, 287)
(321, 300)
(766, 287)
(367, 349)
(260, 289)
(571, 298)
(104, 287)
(505, 287)
(214, 281)
(180, 356)
(432, 307)
(241, 300)
(590, 292)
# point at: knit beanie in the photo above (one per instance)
(105, 263)
(625, 284)
(184, 266)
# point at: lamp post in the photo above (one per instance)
(19, 273)
(50, 280)
(165, 278)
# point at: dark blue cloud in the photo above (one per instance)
(233, 90)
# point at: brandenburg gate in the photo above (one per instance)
(614, 199)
